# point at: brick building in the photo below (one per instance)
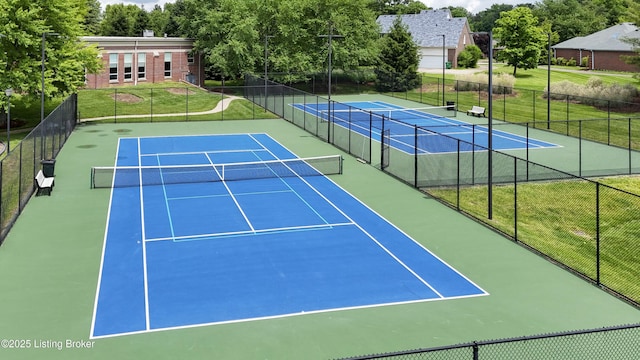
(603, 50)
(134, 60)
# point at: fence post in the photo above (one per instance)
(579, 147)
(629, 144)
(598, 233)
(476, 355)
(151, 104)
(458, 175)
(534, 108)
(515, 195)
(415, 156)
(115, 106)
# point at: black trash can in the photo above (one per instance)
(451, 105)
(48, 167)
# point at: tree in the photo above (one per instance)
(231, 34)
(92, 20)
(459, 11)
(119, 20)
(23, 23)
(158, 20)
(522, 39)
(397, 68)
(571, 18)
(397, 7)
(484, 21)
(140, 23)
(468, 58)
(633, 16)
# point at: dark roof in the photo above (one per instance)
(428, 26)
(604, 40)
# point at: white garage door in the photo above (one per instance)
(431, 58)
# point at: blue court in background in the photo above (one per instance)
(193, 254)
(402, 136)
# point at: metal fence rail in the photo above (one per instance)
(18, 168)
(608, 343)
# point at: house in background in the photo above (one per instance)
(428, 29)
(147, 59)
(603, 48)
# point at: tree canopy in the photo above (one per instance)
(232, 34)
(23, 25)
(518, 32)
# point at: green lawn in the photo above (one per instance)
(559, 219)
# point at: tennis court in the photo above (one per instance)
(213, 229)
(375, 117)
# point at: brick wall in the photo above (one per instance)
(599, 60)
(183, 66)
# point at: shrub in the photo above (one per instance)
(584, 62)
(571, 62)
(594, 92)
(561, 61)
(469, 57)
(502, 83)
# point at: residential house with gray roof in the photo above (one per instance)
(435, 32)
(603, 48)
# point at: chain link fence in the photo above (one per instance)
(352, 137)
(582, 224)
(19, 167)
(609, 343)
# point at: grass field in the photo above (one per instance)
(559, 219)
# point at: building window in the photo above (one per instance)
(113, 67)
(167, 65)
(128, 69)
(190, 58)
(142, 66)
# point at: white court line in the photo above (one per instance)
(271, 317)
(104, 249)
(144, 250)
(251, 232)
(204, 152)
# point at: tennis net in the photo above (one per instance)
(376, 115)
(133, 176)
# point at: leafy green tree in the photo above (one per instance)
(232, 34)
(571, 18)
(397, 68)
(66, 58)
(459, 11)
(119, 20)
(613, 10)
(115, 21)
(484, 21)
(93, 17)
(522, 39)
(140, 23)
(158, 20)
(633, 16)
(397, 7)
(468, 58)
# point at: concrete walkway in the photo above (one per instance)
(221, 106)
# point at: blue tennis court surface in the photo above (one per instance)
(182, 254)
(402, 133)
